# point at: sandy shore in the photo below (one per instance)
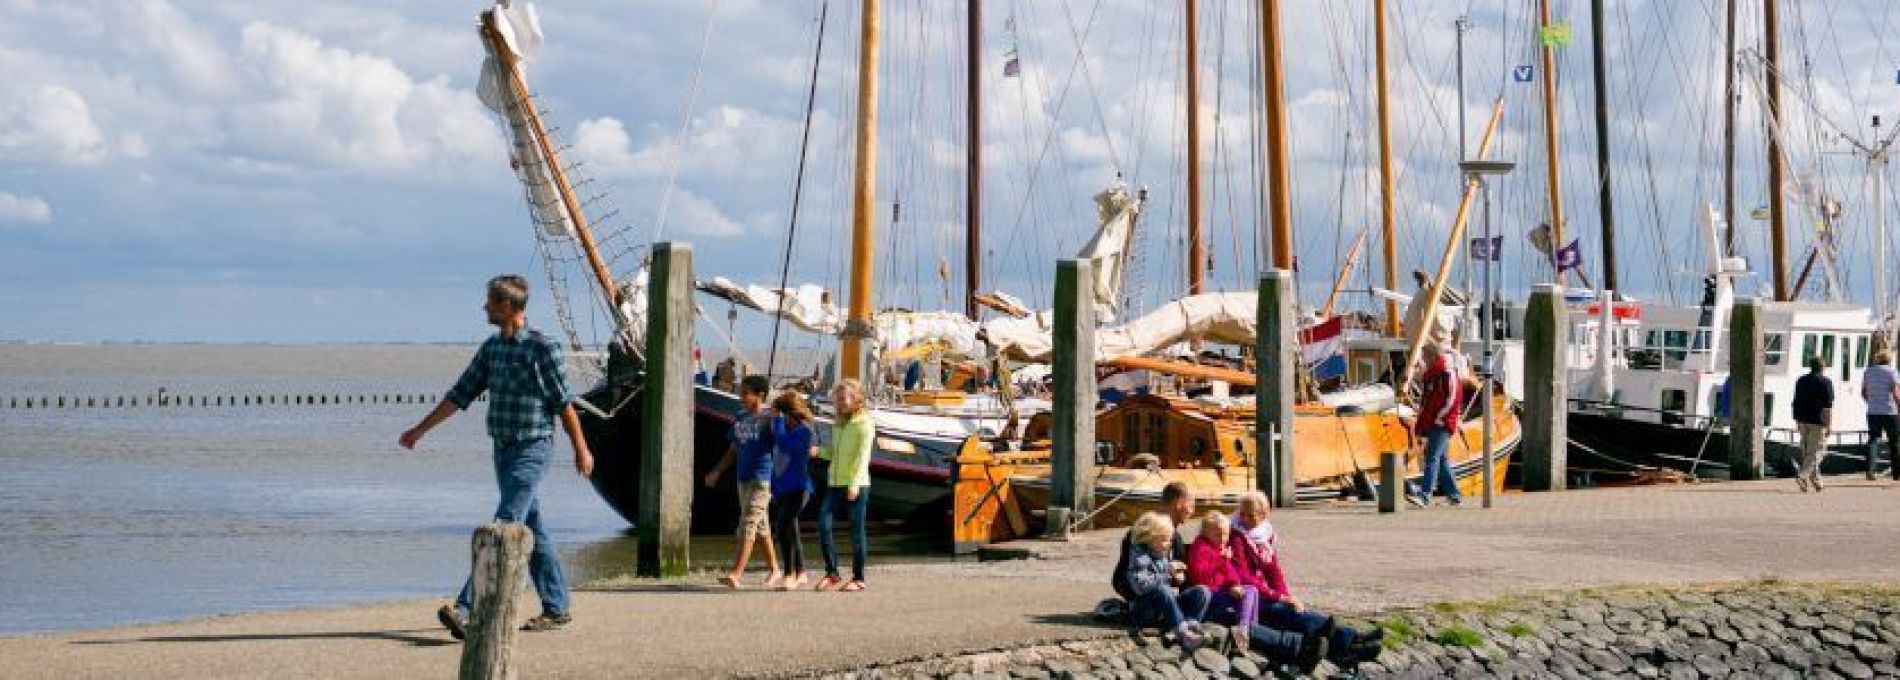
(1346, 558)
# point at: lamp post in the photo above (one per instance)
(1476, 171)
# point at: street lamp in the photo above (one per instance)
(1476, 171)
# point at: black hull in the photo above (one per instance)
(1615, 446)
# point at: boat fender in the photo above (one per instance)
(1145, 460)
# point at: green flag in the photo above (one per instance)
(1554, 35)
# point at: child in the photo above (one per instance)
(848, 483)
(1148, 575)
(791, 483)
(1254, 543)
(752, 446)
(1212, 562)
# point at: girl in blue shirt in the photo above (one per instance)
(791, 482)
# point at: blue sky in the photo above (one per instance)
(298, 172)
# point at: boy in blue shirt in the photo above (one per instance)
(752, 446)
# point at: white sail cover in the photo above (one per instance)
(807, 306)
(1107, 252)
(1215, 317)
(520, 30)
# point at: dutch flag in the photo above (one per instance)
(1322, 348)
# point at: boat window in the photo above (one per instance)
(1767, 408)
(1847, 359)
(1810, 348)
(1672, 404)
(1131, 434)
(1157, 433)
(1827, 350)
(1702, 340)
(1774, 348)
(1860, 351)
(1675, 347)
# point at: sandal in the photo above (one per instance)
(855, 586)
(828, 583)
(731, 582)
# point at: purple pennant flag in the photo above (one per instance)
(1012, 68)
(1491, 249)
(1569, 257)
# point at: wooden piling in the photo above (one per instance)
(1545, 366)
(500, 566)
(1275, 362)
(666, 428)
(1072, 455)
(1745, 447)
(1391, 481)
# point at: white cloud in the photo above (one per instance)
(697, 216)
(50, 123)
(355, 110)
(30, 209)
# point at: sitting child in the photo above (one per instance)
(1255, 550)
(1212, 562)
(1149, 571)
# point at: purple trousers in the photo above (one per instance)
(1230, 610)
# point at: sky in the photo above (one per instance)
(213, 171)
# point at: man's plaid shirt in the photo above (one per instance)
(525, 383)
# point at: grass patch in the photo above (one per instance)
(1520, 629)
(1458, 636)
(1399, 631)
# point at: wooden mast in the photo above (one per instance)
(1551, 173)
(1455, 240)
(518, 87)
(863, 195)
(1388, 227)
(973, 180)
(1603, 146)
(1279, 179)
(1777, 239)
(1196, 269)
(1345, 272)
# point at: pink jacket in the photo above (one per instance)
(1206, 567)
(1262, 564)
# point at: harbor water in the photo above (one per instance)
(116, 515)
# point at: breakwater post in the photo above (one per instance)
(1745, 446)
(1274, 366)
(1545, 365)
(666, 427)
(501, 563)
(1073, 437)
(1391, 480)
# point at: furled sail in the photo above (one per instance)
(520, 30)
(1107, 253)
(807, 307)
(1214, 317)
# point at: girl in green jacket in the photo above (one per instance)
(848, 484)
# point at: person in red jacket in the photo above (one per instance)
(1211, 562)
(1256, 552)
(1438, 416)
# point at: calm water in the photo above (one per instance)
(112, 516)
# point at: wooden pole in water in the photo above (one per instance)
(500, 564)
(1072, 454)
(1197, 260)
(666, 428)
(1279, 173)
(1388, 228)
(863, 199)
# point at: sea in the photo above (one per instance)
(119, 515)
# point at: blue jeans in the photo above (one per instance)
(827, 516)
(1308, 623)
(1164, 607)
(1438, 465)
(519, 467)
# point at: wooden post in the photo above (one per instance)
(1391, 481)
(1745, 390)
(1545, 435)
(666, 428)
(1073, 451)
(501, 565)
(1275, 364)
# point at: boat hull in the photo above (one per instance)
(1608, 447)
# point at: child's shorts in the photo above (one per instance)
(754, 499)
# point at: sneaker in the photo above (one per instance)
(1311, 653)
(1457, 501)
(1416, 501)
(452, 620)
(829, 582)
(1801, 482)
(1816, 483)
(1190, 637)
(547, 622)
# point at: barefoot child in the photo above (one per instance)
(752, 447)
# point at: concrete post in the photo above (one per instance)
(1276, 362)
(1745, 390)
(1073, 453)
(1391, 481)
(500, 566)
(666, 418)
(1546, 331)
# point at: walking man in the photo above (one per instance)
(521, 370)
(1880, 386)
(1814, 413)
(1438, 416)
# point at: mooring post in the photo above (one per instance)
(1391, 481)
(1545, 399)
(1276, 361)
(1073, 437)
(1745, 448)
(501, 563)
(666, 427)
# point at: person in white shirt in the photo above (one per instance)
(1880, 386)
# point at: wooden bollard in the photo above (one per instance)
(1391, 481)
(1072, 449)
(1055, 525)
(1276, 345)
(500, 565)
(1746, 391)
(667, 482)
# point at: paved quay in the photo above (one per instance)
(1346, 558)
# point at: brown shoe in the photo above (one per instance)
(547, 622)
(452, 620)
